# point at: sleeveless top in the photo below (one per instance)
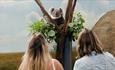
(53, 65)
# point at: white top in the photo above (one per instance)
(104, 61)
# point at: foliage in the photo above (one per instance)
(49, 31)
(76, 26)
(41, 26)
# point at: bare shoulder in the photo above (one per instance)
(58, 65)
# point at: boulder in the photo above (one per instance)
(105, 30)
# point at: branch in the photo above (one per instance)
(44, 11)
(68, 14)
(72, 11)
(69, 6)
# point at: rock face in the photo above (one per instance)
(105, 30)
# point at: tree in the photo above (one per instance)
(63, 36)
(52, 34)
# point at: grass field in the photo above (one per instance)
(11, 61)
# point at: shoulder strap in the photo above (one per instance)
(53, 64)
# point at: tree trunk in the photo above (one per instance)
(68, 52)
(64, 50)
(60, 47)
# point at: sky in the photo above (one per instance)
(17, 15)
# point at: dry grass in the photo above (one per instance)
(11, 61)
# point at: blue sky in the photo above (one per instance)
(17, 15)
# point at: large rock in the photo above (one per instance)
(105, 30)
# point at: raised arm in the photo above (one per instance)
(45, 13)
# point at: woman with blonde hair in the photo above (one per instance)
(90, 55)
(37, 56)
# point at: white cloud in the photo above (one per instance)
(14, 2)
(32, 17)
(78, 8)
(5, 39)
(90, 17)
(104, 2)
(91, 20)
(23, 33)
(64, 5)
(6, 2)
(101, 15)
(14, 43)
(12, 39)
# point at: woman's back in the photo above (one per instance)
(54, 65)
(91, 55)
(96, 62)
(37, 56)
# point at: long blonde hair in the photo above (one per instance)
(37, 55)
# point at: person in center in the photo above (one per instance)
(90, 55)
(37, 56)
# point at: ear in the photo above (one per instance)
(52, 9)
(61, 11)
